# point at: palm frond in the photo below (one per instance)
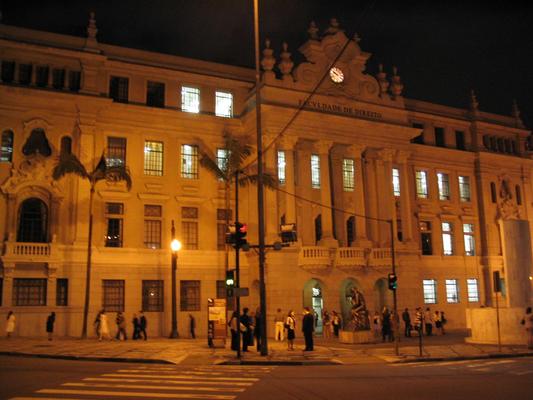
(118, 174)
(69, 164)
(211, 165)
(268, 180)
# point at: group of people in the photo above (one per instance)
(101, 326)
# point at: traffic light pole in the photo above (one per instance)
(394, 297)
(237, 269)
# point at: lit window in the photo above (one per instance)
(116, 152)
(464, 188)
(470, 243)
(429, 287)
(152, 226)
(348, 174)
(421, 184)
(223, 104)
(315, 171)
(190, 99)
(447, 238)
(452, 291)
(6, 154)
(152, 295)
(472, 289)
(189, 227)
(114, 213)
(444, 186)
(396, 181)
(153, 158)
(425, 238)
(189, 161)
(281, 166)
(222, 159)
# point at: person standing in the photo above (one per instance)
(336, 322)
(142, 325)
(279, 329)
(376, 325)
(527, 321)
(385, 324)
(407, 322)
(290, 324)
(234, 329)
(428, 321)
(10, 325)
(443, 321)
(192, 326)
(96, 323)
(326, 321)
(136, 327)
(103, 331)
(438, 322)
(418, 320)
(247, 332)
(121, 326)
(50, 321)
(308, 327)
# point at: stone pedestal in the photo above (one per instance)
(483, 326)
(356, 337)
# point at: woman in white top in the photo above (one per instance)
(104, 327)
(290, 324)
(10, 327)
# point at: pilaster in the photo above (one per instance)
(323, 147)
(9, 269)
(361, 238)
(405, 197)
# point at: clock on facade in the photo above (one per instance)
(336, 75)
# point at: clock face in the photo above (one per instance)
(336, 75)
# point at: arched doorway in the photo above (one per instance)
(33, 221)
(382, 295)
(312, 298)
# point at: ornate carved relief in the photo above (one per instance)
(507, 207)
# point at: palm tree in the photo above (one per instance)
(69, 164)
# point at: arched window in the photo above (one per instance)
(350, 230)
(37, 143)
(493, 192)
(33, 221)
(318, 228)
(66, 145)
(6, 154)
(518, 195)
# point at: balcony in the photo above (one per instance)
(316, 259)
(351, 259)
(380, 257)
(27, 252)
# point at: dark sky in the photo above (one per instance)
(442, 49)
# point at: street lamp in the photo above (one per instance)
(175, 246)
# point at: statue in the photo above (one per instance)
(359, 314)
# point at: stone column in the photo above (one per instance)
(287, 144)
(271, 200)
(405, 197)
(323, 147)
(12, 215)
(51, 285)
(361, 239)
(385, 198)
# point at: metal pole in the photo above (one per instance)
(394, 297)
(237, 267)
(260, 205)
(498, 323)
(174, 262)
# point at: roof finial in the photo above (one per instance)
(382, 79)
(515, 112)
(396, 86)
(286, 64)
(268, 60)
(474, 105)
(333, 27)
(91, 44)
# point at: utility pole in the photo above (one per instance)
(237, 267)
(394, 297)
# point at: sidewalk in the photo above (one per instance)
(196, 352)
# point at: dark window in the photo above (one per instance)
(223, 216)
(155, 94)
(318, 228)
(8, 71)
(25, 74)
(493, 144)
(486, 141)
(41, 76)
(29, 292)
(501, 146)
(74, 81)
(460, 140)
(113, 295)
(37, 143)
(116, 152)
(420, 138)
(350, 230)
(1, 290)
(6, 154)
(118, 89)
(62, 292)
(66, 145)
(507, 143)
(33, 221)
(189, 227)
(513, 147)
(221, 289)
(518, 195)
(190, 295)
(58, 78)
(152, 296)
(152, 226)
(114, 212)
(439, 137)
(399, 232)
(425, 238)
(493, 192)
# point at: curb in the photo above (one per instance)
(461, 358)
(280, 362)
(87, 358)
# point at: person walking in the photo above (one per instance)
(336, 322)
(96, 323)
(257, 329)
(418, 321)
(385, 324)
(136, 327)
(308, 327)
(192, 326)
(527, 321)
(428, 321)
(406, 317)
(247, 332)
(443, 321)
(376, 325)
(234, 329)
(326, 321)
(279, 328)
(10, 324)
(103, 331)
(50, 321)
(290, 324)
(142, 325)
(121, 326)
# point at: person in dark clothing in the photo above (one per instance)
(121, 326)
(50, 321)
(192, 326)
(257, 329)
(234, 328)
(142, 325)
(308, 327)
(246, 335)
(386, 325)
(136, 327)
(407, 321)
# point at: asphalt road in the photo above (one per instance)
(25, 378)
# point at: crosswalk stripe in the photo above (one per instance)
(139, 394)
(182, 377)
(124, 386)
(169, 381)
(164, 372)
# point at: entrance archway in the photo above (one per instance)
(312, 298)
(382, 295)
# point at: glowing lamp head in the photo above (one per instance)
(175, 245)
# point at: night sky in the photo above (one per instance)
(442, 50)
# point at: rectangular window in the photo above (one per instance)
(464, 188)
(41, 76)
(74, 81)
(25, 74)
(460, 140)
(221, 227)
(29, 292)
(8, 71)
(113, 295)
(152, 226)
(58, 78)
(452, 291)
(118, 89)
(443, 182)
(189, 161)
(155, 94)
(472, 289)
(281, 167)
(152, 295)
(315, 171)
(429, 287)
(189, 227)
(62, 292)
(420, 138)
(221, 289)
(348, 174)
(421, 184)
(190, 295)
(470, 242)
(396, 182)
(439, 137)
(114, 213)
(190, 99)
(223, 104)
(116, 152)
(6, 150)
(222, 160)
(425, 238)
(153, 158)
(447, 239)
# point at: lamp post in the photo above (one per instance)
(175, 246)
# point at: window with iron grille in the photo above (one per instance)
(152, 295)
(315, 171)
(6, 154)
(222, 159)
(153, 158)
(8, 71)
(114, 212)
(443, 182)
(221, 289)
(425, 238)
(464, 188)
(470, 242)
(281, 167)
(189, 161)
(116, 151)
(29, 292)
(74, 81)
(421, 184)
(472, 290)
(152, 226)
(452, 291)
(62, 292)
(189, 227)
(447, 239)
(155, 94)
(190, 99)
(58, 78)
(41, 76)
(190, 295)
(348, 174)
(221, 227)
(429, 287)
(25, 74)
(113, 295)
(223, 104)
(396, 182)
(118, 89)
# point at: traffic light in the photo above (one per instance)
(241, 231)
(393, 281)
(230, 282)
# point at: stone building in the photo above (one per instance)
(355, 161)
